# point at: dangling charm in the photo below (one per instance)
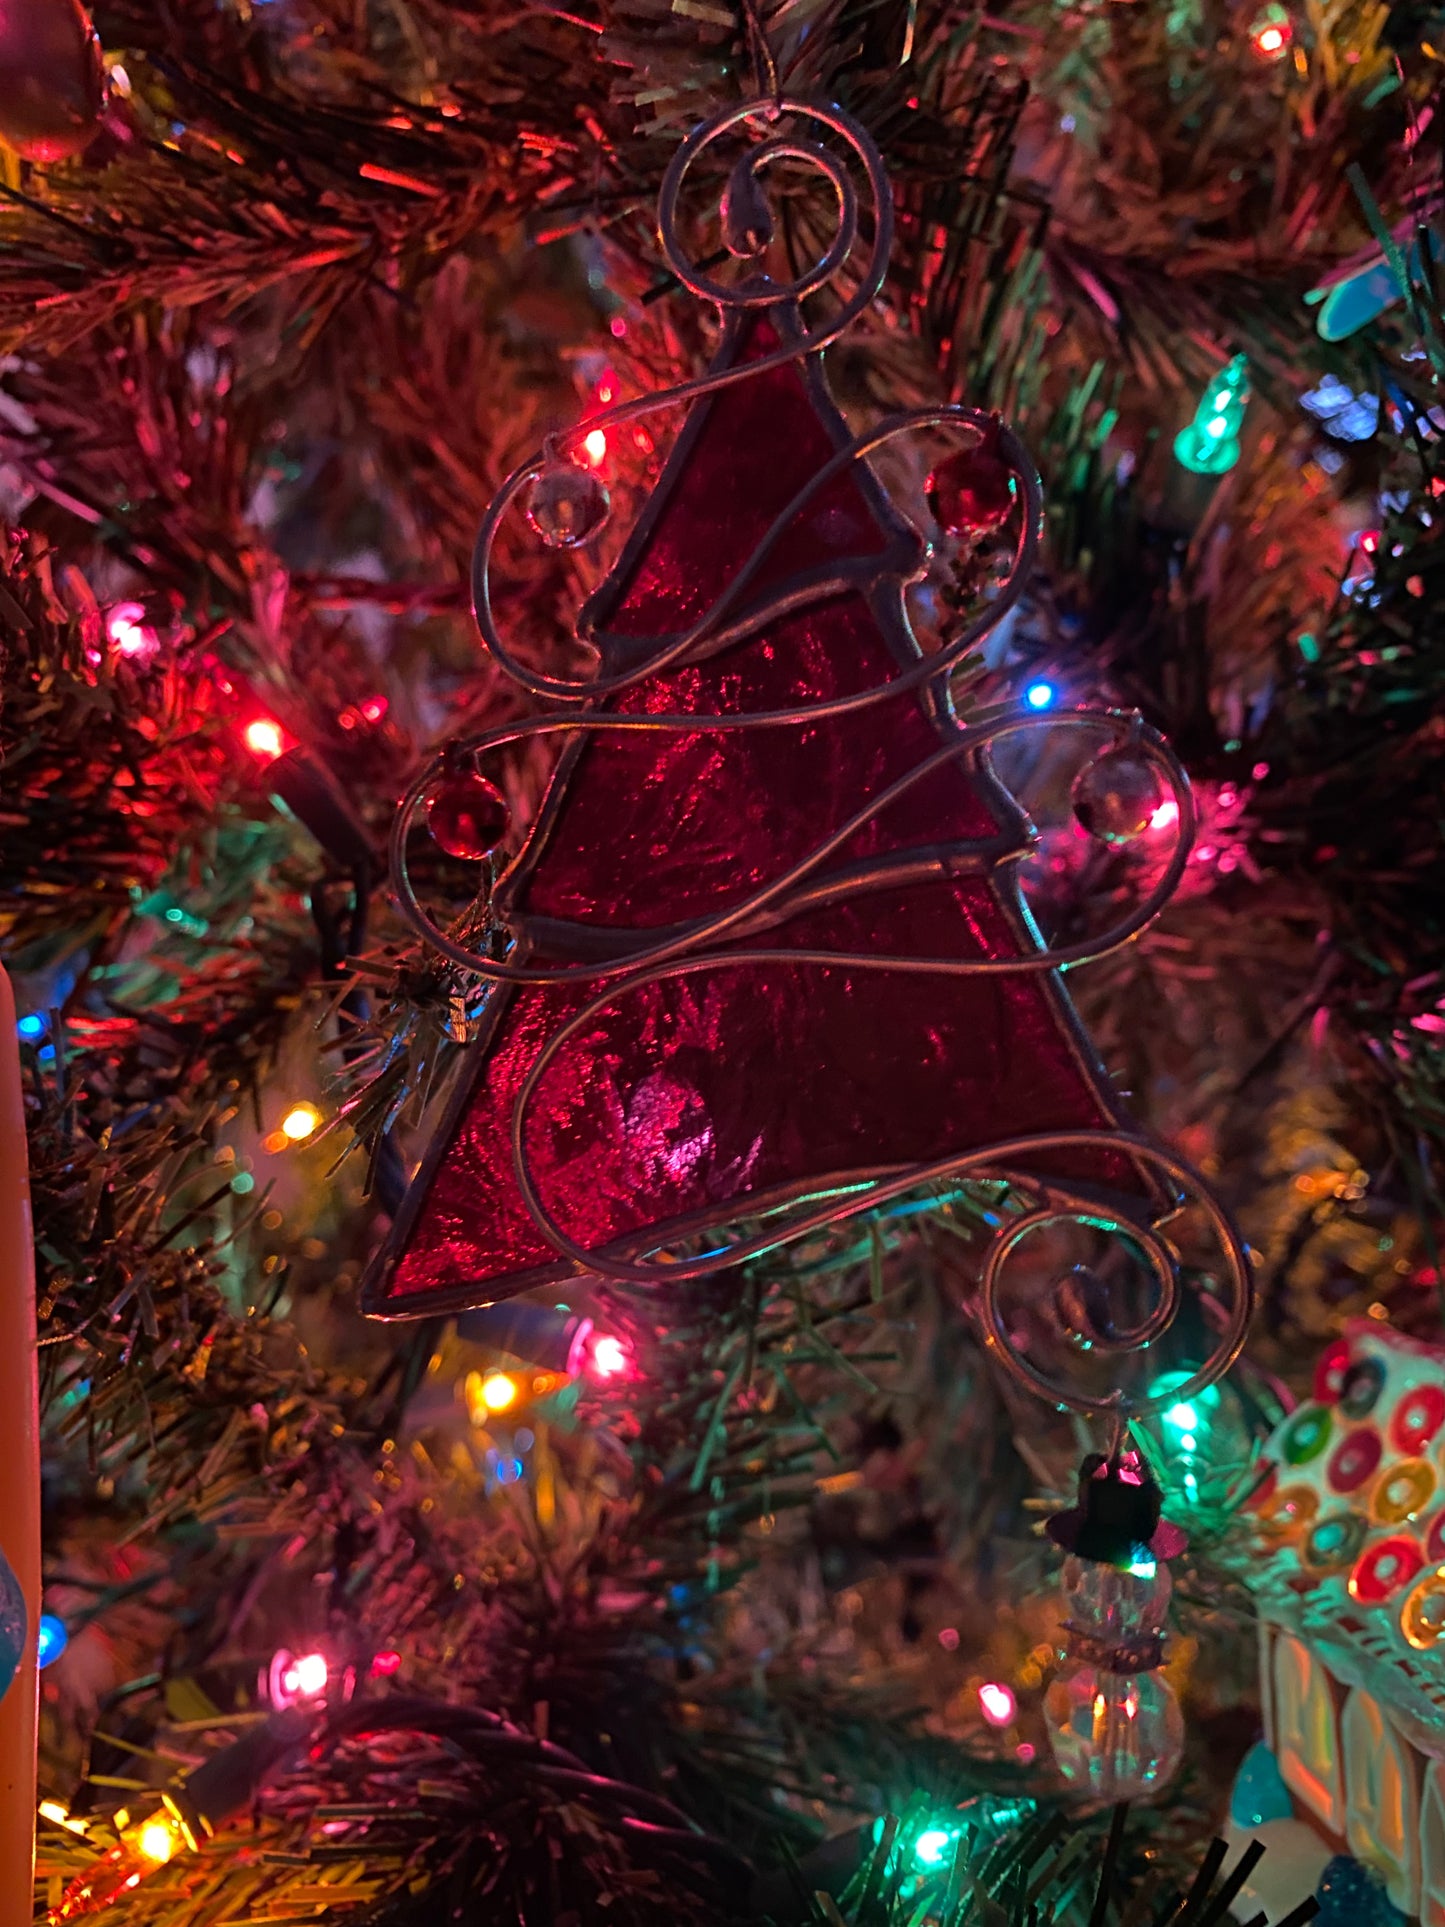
(568, 505)
(1115, 797)
(1114, 1723)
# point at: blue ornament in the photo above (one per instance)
(1351, 1896)
(1260, 1794)
(1354, 303)
(12, 1624)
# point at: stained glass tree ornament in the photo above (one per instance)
(768, 964)
(1210, 444)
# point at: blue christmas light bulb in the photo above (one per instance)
(51, 1639)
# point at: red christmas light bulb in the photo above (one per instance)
(467, 815)
(1271, 32)
(265, 739)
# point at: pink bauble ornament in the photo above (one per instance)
(51, 78)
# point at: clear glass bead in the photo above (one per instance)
(568, 505)
(1115, 1604)
(1115, 797)
(1114, 1736)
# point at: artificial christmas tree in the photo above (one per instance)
(672, 1642)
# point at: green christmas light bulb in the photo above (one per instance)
(1210, 444)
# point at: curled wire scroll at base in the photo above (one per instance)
(698, 947)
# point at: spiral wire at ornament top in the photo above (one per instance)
(731, 617)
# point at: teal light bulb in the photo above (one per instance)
(1210, 444)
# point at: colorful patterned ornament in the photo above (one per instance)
(1350, 1588)
(768, 966)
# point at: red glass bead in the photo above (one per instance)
(467, 815)
(52, 79)
(971, 492)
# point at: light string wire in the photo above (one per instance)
(692, 948)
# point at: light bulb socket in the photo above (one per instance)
(229, 1781)
(316, 800)
(533, 1334)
